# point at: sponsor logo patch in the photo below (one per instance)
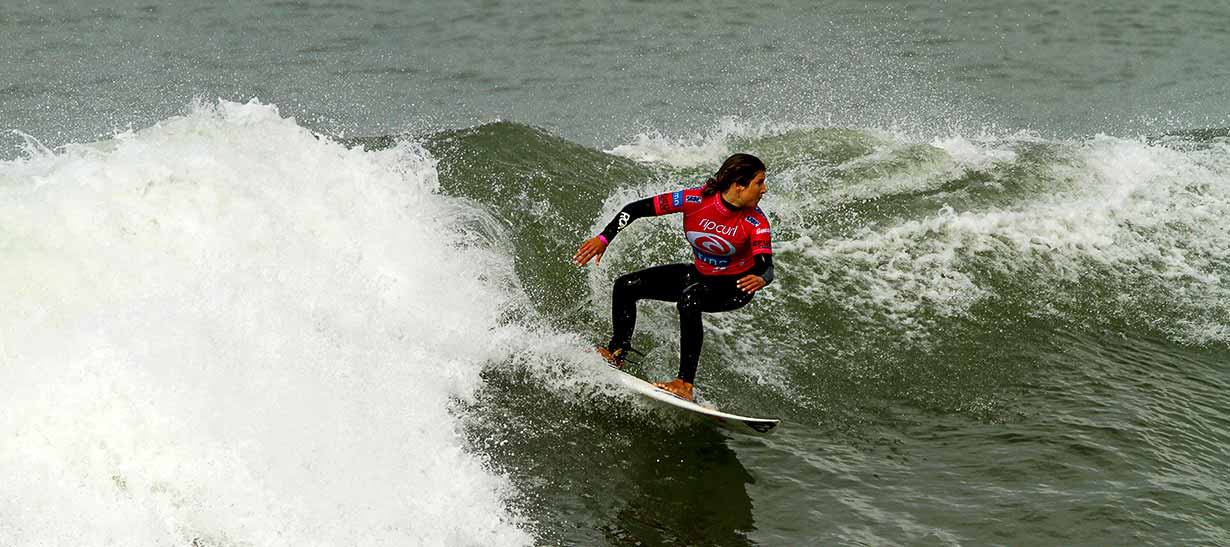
(715, 261)
(710, 245)
(723, 229)
(752, 221)
(677, 198)
(693, 199)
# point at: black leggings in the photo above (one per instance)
(692, 291)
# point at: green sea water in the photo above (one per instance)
(990, 342)
(603, 73)
(1000, 318)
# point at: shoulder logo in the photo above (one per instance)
(677, 198)
(752, 220)
(693, 199)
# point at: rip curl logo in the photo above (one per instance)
(711, 226)
(709, 244)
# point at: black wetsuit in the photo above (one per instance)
(693, 291)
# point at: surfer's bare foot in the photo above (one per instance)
(615, 358)
(678, 387)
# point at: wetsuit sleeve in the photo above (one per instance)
(630, 212)
(679, 201)
(763, 267)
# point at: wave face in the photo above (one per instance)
(926, 286)
(910, 236)
(225, 330)
(228, 330)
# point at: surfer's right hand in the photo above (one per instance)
(592, 248)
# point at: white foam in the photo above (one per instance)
(224, 330)
(981, 153)
(1147, 219)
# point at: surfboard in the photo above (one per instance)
(732, 421)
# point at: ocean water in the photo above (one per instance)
(297, 273)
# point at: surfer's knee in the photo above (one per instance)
(690, 303)
(627, 283)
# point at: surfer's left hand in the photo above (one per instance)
(751, 283)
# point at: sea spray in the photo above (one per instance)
(226, 330)
(902, 231)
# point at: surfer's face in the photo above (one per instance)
(747, 196)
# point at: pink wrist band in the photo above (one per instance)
(604, 239)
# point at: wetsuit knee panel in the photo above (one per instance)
(692, 301)
(626, 282)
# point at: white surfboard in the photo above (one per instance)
(734, 421)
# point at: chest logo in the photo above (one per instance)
(706, 224)
(710, 244)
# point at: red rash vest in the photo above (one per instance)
(723, 240)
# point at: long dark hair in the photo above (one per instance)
(737, 169)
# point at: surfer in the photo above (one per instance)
(733, 258)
